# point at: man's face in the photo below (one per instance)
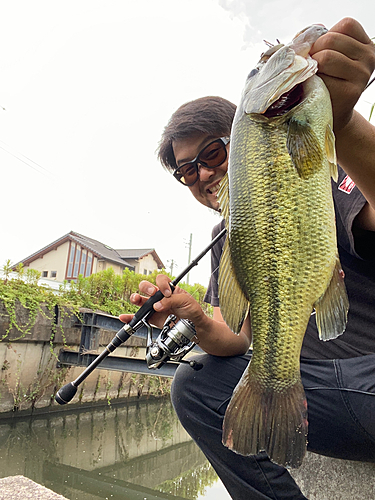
(207, 185)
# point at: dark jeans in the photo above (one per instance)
(341, 413)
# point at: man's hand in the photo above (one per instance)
(180, 303)
(346, 61)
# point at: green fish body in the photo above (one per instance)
(280, 259)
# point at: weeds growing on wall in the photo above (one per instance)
(104, 291)
(22, 300)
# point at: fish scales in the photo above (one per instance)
(285, 266)
(280, 258)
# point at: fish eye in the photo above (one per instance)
(253, 72)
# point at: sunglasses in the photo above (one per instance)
(211, 156)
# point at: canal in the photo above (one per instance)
(136, 450)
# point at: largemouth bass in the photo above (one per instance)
(280, 259)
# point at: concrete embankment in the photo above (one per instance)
(22, 488)
(30, 374)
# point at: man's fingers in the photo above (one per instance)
(126, 318)
(352, 28)
(162, 282)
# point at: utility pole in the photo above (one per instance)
(171, 265)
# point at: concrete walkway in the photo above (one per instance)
(324, 478)
(22, 488)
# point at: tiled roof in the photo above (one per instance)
(99, 249)
(138, 253)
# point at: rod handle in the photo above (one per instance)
(147, 308)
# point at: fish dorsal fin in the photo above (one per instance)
(304, 149)
(234, 306)
(332, 307)
(331, 152)
(223, 198)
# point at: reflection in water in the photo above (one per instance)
(136, 451)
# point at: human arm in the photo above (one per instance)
(213, 334)
(346, 60)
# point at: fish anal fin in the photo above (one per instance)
(259, 419)
(234, 306)
(331, 152)
(332, 307)
(303, 147)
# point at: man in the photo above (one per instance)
(338, 376)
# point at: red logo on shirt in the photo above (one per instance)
(347, 185)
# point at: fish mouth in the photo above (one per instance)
(286, 102)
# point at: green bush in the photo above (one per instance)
(104, 291)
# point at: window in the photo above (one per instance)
(71, 259)
(83, 263)
(53, 274)
(76, 261)
(144, 271)
(89, 264)
(80, 262)
(45, 274)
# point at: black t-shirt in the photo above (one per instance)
(357, 256)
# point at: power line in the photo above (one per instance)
(27, 161)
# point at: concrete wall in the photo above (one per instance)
(30, 378)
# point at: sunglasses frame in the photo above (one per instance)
(195, 162)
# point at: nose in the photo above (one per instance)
(205, 173)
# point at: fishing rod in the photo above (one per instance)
(172, 343)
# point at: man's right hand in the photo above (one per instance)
(180, 303)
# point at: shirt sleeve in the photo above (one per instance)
(348, 201)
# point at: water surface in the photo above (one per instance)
(132, 451)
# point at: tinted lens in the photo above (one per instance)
(187, 174)
(213, 155)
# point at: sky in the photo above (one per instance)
(86, 90)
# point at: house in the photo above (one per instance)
(74, 254)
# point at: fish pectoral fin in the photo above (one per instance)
(234, 306)
(332, 307)
(303, 147)
(331, 152)
(223, 198)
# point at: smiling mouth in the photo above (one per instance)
(214, 189)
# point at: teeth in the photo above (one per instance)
(215, 188)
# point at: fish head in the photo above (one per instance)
(280, 69)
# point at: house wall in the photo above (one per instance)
(106, 264)
(147, 263)
(55, 260)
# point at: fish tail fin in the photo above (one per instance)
(332, 307)
(259, 419)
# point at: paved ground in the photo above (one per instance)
(22, 488)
